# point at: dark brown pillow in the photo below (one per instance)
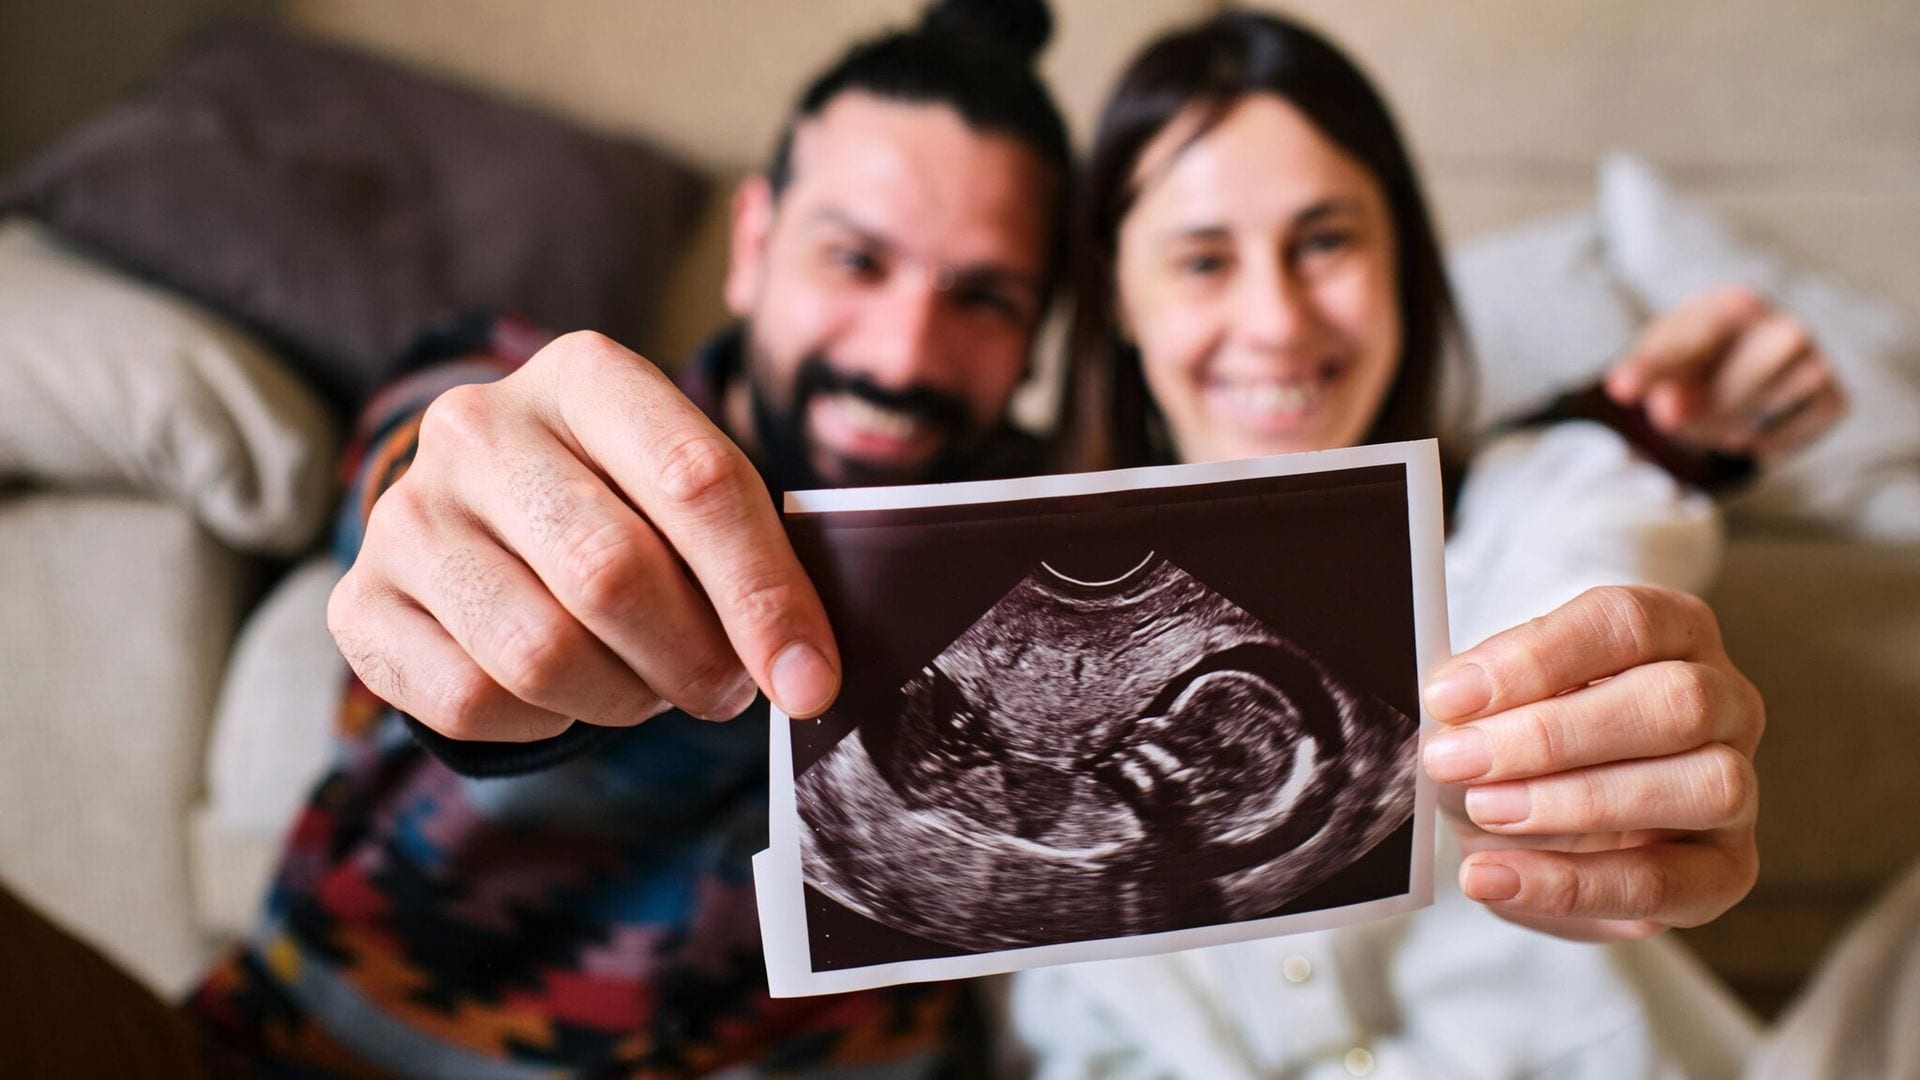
(340, 205)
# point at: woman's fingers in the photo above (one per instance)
(1649, 711)
(1598, 634)
(1630, 892)
(1708, 787)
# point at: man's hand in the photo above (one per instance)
(1727, 372)
(1606, 753)
(577, 541)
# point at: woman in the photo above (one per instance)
(1262, 277)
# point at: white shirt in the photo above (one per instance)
(1451, 990)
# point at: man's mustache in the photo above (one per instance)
(817, 376)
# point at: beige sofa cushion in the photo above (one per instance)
(110, 383)
(273, 736)
(117, 616)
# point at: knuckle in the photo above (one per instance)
(705, 686)
(1727, 783)
(1583, 801)
(460, 417)
(535, 657)
(765, 603)
(1544, 739)
(1647, 889)
(1688, 699)
(1629, 614)
(1562, 893)
(588, 357)
(400, 510)
(603, 569)
(463, 706)
(1790, 336)
(700, 470)
(1739, 297)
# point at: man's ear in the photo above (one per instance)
(751, 229)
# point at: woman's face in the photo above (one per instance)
(1256, 275)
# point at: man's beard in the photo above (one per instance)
(788, 456)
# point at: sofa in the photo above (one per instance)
(166, 683)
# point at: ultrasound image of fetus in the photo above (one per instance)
(1097, 760)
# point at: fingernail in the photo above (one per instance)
(1459, 691)
(1460, 754)
(1499, 804)
(1490, 881)
(803, 684)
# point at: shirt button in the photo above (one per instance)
(1296, 968)
(1359, 1062)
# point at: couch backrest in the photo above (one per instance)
(1799, 117)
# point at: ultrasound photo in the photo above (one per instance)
(1107, 715)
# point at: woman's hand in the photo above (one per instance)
(1727, 371)
(1599, 766)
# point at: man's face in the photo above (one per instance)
(891, 293)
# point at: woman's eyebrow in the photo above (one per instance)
(1312, 214)
(1333, 206)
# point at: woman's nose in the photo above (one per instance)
(1273, 308)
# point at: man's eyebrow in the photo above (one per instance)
(831, 215)
(974, 275)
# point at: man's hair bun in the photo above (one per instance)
(1018, 29)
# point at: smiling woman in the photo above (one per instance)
(1260, 276)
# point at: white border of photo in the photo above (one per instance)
(778, 878)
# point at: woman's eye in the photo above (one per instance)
(1202, 265)
(1324, 242)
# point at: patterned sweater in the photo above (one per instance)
(580, 908)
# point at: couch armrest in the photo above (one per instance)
(116, 615)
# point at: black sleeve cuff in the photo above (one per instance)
(1712, 472)
(488, 759)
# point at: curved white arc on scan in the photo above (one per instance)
(1137, 567)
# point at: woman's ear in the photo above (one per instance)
(749, 233)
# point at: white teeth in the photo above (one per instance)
(1274, 397)
(876, 421)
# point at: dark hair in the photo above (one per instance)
(974, 55)
(1111, 420)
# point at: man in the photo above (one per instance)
(576, 561)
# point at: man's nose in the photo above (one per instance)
(899, 333)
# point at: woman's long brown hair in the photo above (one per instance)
(1110, 419)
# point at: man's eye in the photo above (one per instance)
(855, 262)
(990, 302)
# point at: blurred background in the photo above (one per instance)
(165, 681)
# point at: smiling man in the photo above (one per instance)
(583, 545)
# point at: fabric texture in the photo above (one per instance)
(1855, 1019)
(1550, 305)
(341, 205)
(271, 739)
(117, 618)
(110, 384)
(1451, 991)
